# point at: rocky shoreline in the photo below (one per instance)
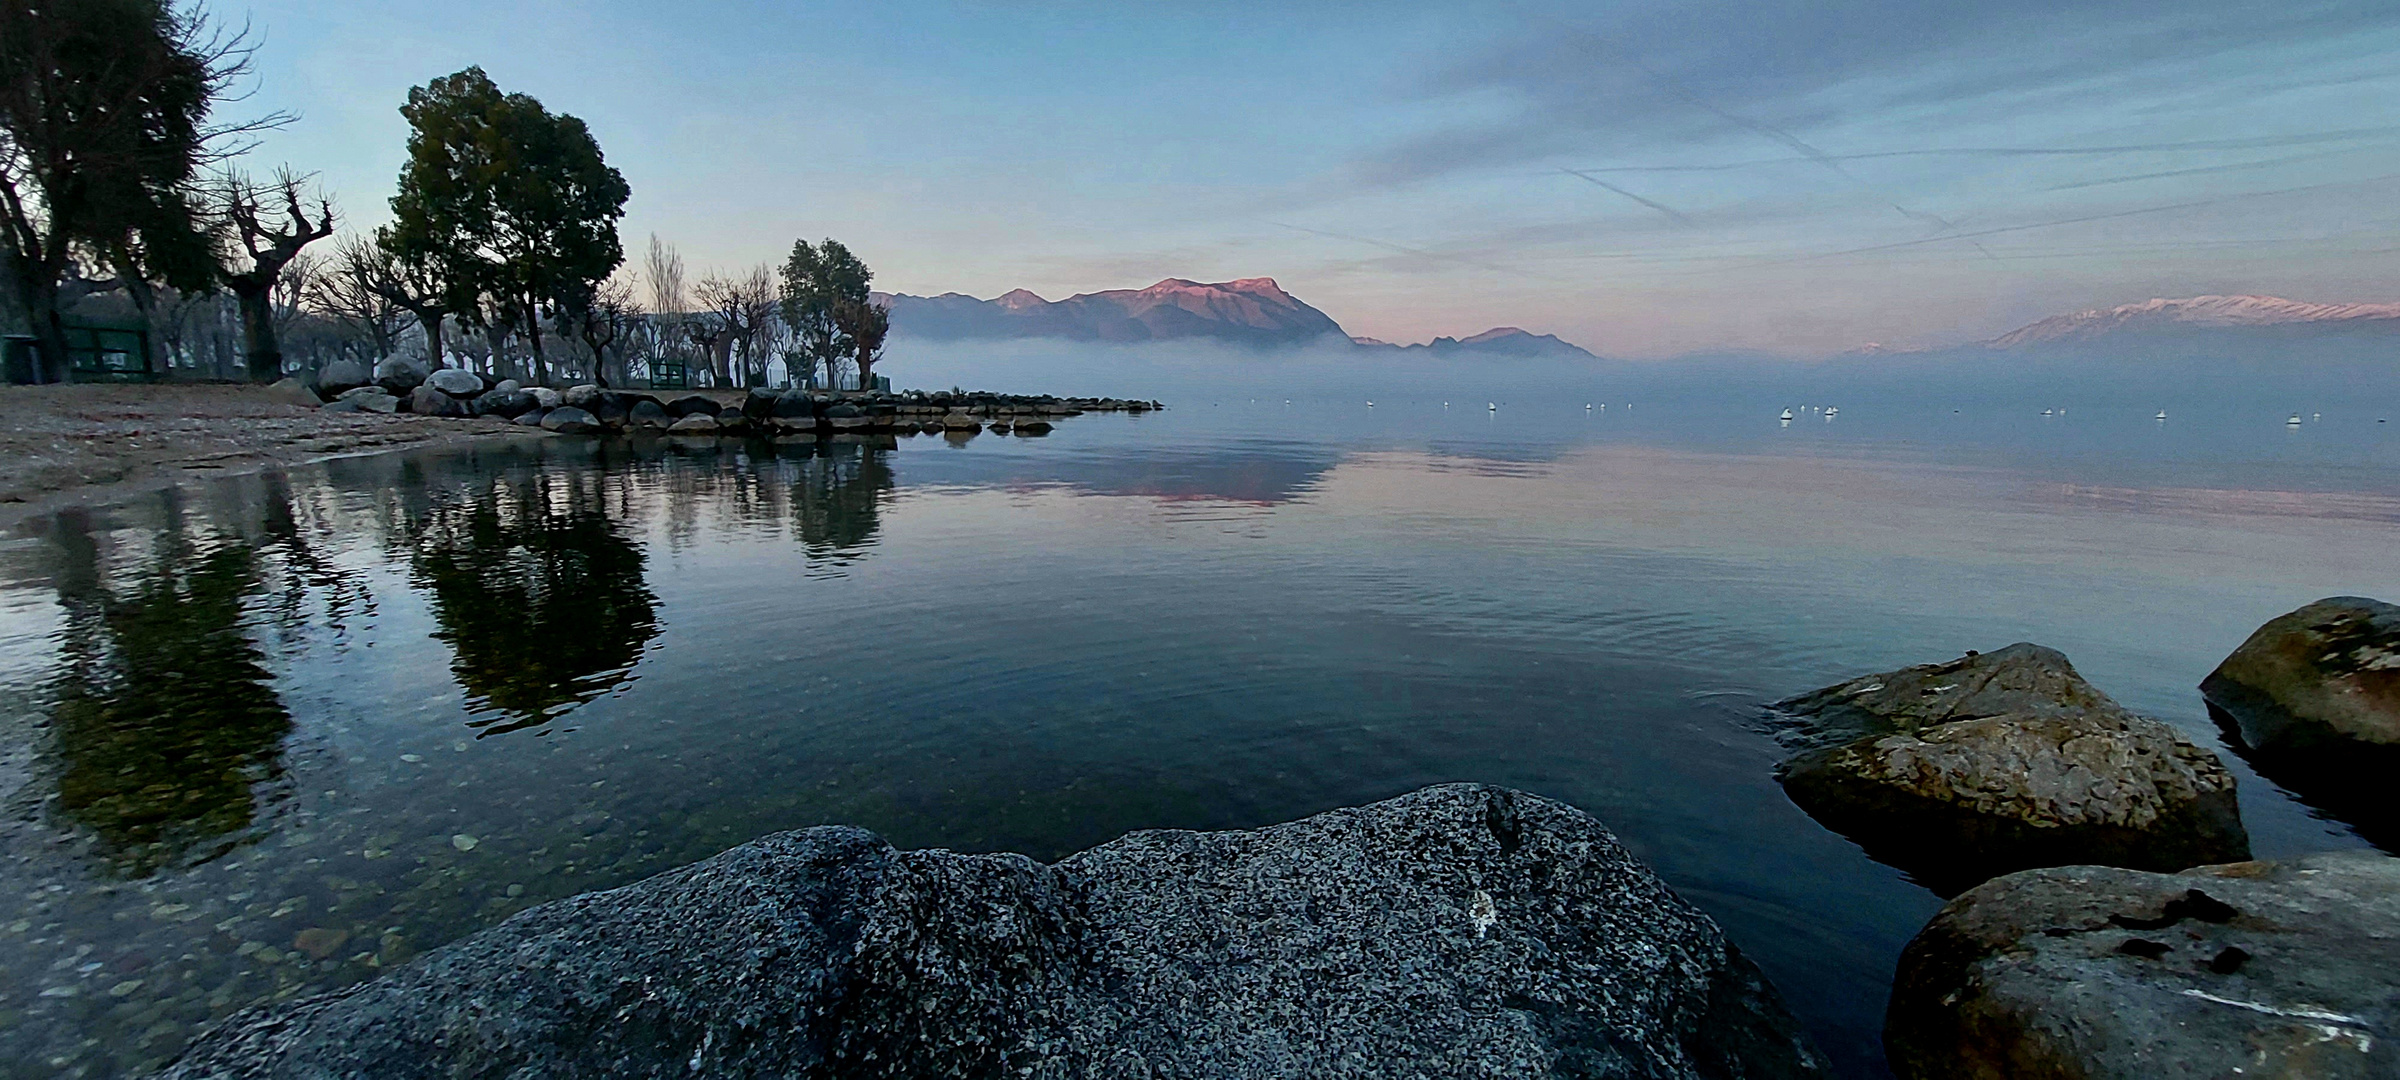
(796, 414)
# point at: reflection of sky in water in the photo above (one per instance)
(406, 696)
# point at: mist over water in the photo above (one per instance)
(445, 686)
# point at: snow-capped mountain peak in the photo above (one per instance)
(2195, 311)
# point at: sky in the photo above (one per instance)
(1646, 179)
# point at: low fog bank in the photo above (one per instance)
(2216, 374)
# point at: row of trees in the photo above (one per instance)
(118, 196)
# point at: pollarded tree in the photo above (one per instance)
(866, 324)
(267, 226)
(104, 126)
(506, 201)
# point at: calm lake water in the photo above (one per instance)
(263, 735)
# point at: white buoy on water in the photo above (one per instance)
(1491, 406)
(1787, 413)
(2162, 414)
(2293, 422)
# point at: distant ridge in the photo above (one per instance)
(1253, 311)
(1497, 341)
(1246, 311)
(2200, 314)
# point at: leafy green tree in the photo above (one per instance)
(505, 202)
(104, 124)
(823, 284)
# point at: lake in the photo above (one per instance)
(263, 735)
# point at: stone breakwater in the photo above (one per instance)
(1459, 931)
(792, 414)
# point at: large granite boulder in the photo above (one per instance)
(646, 412)
(340, 376)
(399, 375)
(456, 382)
(2267, 969)
(2325, 677)
(372, 398)
(759, 403)
(2002, 761)
(794, 404)
(1460, 931)
(2312, 699)
(506, 403)
(569, 420)
(427, 400)
(693, 404)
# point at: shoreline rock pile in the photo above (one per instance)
(781, 414)
(1461, 930)
(1995, 762)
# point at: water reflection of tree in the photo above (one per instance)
(837, 499)
(164, 719)
(539, 594)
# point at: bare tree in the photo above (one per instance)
(409, 286)
(345, 289)
(662, 277)
(728, 318)
(249, 210)
(602, 323)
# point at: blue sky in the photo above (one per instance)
(1645, 179)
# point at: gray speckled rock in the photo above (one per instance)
(2003, 761)
(2277, 969)
(569, 420)
(2312, 699)
(456, 382)
(2326, 675)
(1460, 931)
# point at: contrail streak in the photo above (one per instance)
(1418, 252)
(1672, 214)
(2263, 142)
(1979, 233)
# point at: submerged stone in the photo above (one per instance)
(1457, 931)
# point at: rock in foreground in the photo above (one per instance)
(2003, 761)
(2312, 699)
(2093, 973)
(2327, 675)
(1457, 931)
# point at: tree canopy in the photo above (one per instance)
(104, 124)
(505, 202)
(823, 284)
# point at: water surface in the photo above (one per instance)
(264, 735)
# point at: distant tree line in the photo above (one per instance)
(122, 202)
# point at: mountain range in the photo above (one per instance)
(1249, 311)
(2203, 316)
(1256, 312)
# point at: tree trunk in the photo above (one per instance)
(430, 321)
(260, 351)
(145, 303)
(533, 336)
(866, 371)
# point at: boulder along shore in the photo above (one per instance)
(1459, 931)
